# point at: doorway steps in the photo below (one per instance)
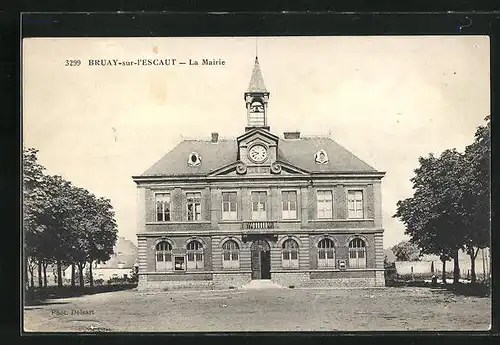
(260, 284)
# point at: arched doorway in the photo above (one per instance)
(261, 259)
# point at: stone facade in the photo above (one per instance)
(219, 213)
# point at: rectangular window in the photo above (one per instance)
(325, 204)
(357, 258)
(290, 259)
(194, 260)
(163, 261)
(162, 201)
(230, 259)
(193, 206)
(326, 258)
(289, 205)
(259, 202)
(355, 203)
(229, 206)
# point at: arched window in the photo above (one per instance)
(290, 254)
(357, 253)
(326, 253)
(194, 255)
(163, 256)
(230, 254)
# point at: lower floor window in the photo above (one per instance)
(326, 258)
(357, 253)
(230, 254)
(194, 255)
(357, 259)
(326, 253)
(163, 256)
(194, 260)
(289, 254)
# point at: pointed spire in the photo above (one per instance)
(256, 82)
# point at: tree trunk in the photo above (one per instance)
(91, 278)
(72, 275)
(472, 256)
(59, 274)
(456, 268)
(40, 283)
(45, 274)
(26, 279)
(80, 271)
(32, 280)
(444, 270)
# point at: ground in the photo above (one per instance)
(263, 310)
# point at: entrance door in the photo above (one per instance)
(261, 260)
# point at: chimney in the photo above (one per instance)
(292, 135)
(215, 137)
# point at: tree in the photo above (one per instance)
(34, 204)
(62, 223)
(475, 184)
(406, 251)
(434, 215)
(102, 233)
(93, 232)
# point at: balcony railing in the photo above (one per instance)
(259, 224)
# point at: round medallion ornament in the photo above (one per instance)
(241, 168)
(276, 168)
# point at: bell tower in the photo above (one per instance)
(256, 98)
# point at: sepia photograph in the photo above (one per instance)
(251, 184)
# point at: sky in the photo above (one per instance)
(387, 99)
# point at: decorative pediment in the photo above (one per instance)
(239, 168)
(226, 170)
(257, 134)
(289, 169)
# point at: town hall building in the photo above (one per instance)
(298, 211)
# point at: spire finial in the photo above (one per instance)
(256, 49)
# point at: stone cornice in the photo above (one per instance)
(202, 233)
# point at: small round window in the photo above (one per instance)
(194, 159)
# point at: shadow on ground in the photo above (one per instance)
(460, 289)
(45, 296)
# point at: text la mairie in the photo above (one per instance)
(297, 211)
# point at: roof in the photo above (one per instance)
(297, 152)
(213, 156)
(256, 81)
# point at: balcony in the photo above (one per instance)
(259, 225)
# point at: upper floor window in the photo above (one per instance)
(229, 204)
(289, 201)
(193, 206)
(290, 254)
(162, 207)
(230, 254)
(326, 253)
(357, 253)
(325, 204)
(163, 256)
(194, 255)
(355, 203)
(259, 201)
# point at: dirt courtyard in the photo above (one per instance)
(262, 310)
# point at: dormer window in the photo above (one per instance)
(194, 159)
(321, 157)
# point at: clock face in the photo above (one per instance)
(258, 153)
